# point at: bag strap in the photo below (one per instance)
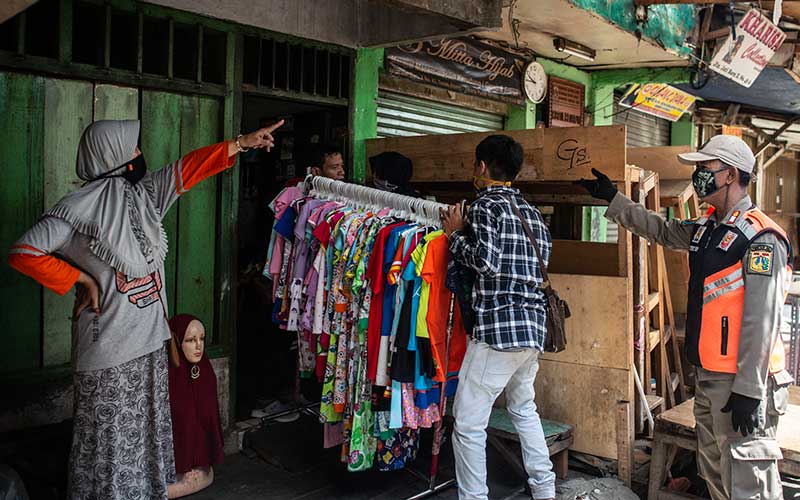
(531, 237)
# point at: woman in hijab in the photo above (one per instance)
(196, 428)
(107, 240)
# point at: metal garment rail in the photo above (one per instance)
(425, 212)
(406, 207)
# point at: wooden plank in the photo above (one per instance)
(21, 197)
(596, 301)
(663, 160)
(586, 397)
(116, 103)
(625, 438)
(572, 257)
(68, 107)
(196, 244)
(161, 144)
(564, 154)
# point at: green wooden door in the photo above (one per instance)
(41, 121)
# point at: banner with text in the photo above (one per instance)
(658, 99)
(743, 59)
(462, 64)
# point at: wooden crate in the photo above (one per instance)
(590, 385)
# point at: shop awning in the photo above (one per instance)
(774, 91)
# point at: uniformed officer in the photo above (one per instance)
(739, 272)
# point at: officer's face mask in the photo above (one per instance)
(704, 181)
(132, 171)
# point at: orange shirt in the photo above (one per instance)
(434, 272)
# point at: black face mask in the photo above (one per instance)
(704, 182)
(132, 171)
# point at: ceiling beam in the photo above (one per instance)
(772, 159)
(771, 139)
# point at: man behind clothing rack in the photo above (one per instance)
(510, 319)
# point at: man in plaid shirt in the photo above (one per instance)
(510, 319)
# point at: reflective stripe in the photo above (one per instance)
(725, 279)
(722, 291)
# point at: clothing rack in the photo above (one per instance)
(419, 210)
(362, 197)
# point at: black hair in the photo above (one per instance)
(502, 155)
(322, 151)
(744, 178)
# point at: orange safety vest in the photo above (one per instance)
(716, 287)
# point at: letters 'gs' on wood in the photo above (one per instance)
(559, 154)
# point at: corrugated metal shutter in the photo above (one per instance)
(401, 115)
(643, 130)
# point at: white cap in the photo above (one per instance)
(727, 148)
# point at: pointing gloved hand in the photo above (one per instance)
(744, 413)
(601, 188)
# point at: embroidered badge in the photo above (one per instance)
(699, 234)
(734, 216)
(694, 248)
(727, 240)
(759, 260)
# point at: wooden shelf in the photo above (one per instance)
(653, 339)
(652, 301)
(654, 401)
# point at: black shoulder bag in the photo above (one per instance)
(557, 309)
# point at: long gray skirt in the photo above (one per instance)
(122, 435)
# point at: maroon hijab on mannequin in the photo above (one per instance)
(196, 428)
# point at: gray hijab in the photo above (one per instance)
(120, 218)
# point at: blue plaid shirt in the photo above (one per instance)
(509, 306)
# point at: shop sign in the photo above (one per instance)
(462, 64)
(565, 103)
(729, 130)
(658, 99)
(742, 59)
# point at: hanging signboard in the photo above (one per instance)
(735, 131)
(565, 103)
(658, 99)
(742, 59)
(462, 64)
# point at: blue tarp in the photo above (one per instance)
(774, 90)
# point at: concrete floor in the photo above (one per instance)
(286, 461)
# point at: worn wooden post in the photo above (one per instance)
(625, 439)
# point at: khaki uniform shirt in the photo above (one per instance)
(764, 295)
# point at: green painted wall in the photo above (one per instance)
(521, 117)
(40, 155)
(364, 122)
(682, 132)
(667, 25)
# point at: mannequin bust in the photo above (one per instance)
(196, 429)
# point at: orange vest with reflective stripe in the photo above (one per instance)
(716, 288)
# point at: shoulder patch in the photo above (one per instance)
(759, 258)
(734, 216)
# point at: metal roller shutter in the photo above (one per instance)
(401, 115)
(643, 131)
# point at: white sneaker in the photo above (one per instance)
(276, 407)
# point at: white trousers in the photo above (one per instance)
(484, 375)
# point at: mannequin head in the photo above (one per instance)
(193, 344)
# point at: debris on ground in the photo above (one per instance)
(602, 488)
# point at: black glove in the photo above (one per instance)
(601, 188)
(744, 413)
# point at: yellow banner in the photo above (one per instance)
(658, 99)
